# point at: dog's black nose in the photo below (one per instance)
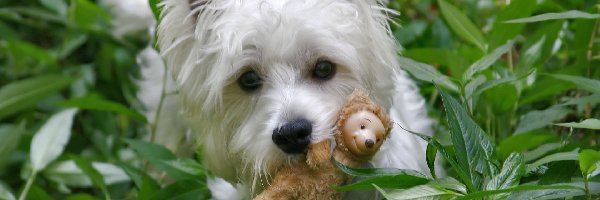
(293, 137)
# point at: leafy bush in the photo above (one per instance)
(515, 88)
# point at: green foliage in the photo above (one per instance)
(515, 89)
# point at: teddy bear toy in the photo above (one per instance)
(360, 130)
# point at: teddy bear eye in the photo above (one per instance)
(362, 126)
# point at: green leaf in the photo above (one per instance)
(58, 6)
(439, 56)
(140, 178)
(50, 141)
(431, 190)
(163, 159)
(5, 193)
(591, 99)
(95, 176)
(541, 151)
(371, 172)
(87, 14)
(571, 155)
(480, 194)
(68, 173)
(501, 32)
(587, 84)
(557, 193)
(523, 142)
(461, 25)
(540, 118)
(397, 181)
(426, 73)
(92, 103)
(593, 124)
(11, 135)
(24, 94)
(510, 175)
(38, 193)
(189, 166)
(474, 150)
(530, 57)
(486, 61)
(179, 189)
(589, 161)
(148, 187)
(571, 14)
(430, 155)
(81, 196)
(155, 10)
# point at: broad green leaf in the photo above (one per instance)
(24, 94)
(491, 84)
(571, 14)
(148, 187)
(426, 73)
(88, 169)
(50, 141)
(58, 6)
(523, 142)
(509, 176)
(474, 150)
(38, 193)
(486, 61)
(480, 194)
(593, 124)
(557, 193)
(68, 173)
(501, 32)
(418, 192)
(570, 155)
(540, 118)
(461, 25)
(87, 14)
(396, 181)
(430, 156)
(179, 189)
(470, 89)
(189, 166)
(92, 103)
(5, 193)
(370, 172)
(587, 84)
(589, 161)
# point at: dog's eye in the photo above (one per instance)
(249, 81)
(324, 70)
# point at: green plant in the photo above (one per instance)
(515, 88)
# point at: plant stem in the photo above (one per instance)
(590, 46)
(587, 187)
(510, 61)
(28, 186)
(163, 94)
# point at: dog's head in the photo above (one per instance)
(260, 79)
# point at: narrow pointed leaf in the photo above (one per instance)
(397, 182)
(571, 14)
(427, 191)
(571, 155)
(540, 118)
(426, 73)
(24, 94)
(593, 124)
(88, 169)
(586, 84)
(370, 172)
(510, 175)
(487, 61)
(49, 142)
(461, 25)
(480, 194)
(474, 150)
(91, 103)
(431, 153)
(68, 173)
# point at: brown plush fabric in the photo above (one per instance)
(316, 177)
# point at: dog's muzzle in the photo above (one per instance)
(293, 137)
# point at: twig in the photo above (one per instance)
(28, 186)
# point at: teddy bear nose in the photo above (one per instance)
(369, 143)
(293, 137)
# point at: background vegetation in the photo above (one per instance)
(514, 85)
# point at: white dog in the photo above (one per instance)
(259, 80)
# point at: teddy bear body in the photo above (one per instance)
(360, 130)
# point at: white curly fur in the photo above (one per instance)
(207, 46)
